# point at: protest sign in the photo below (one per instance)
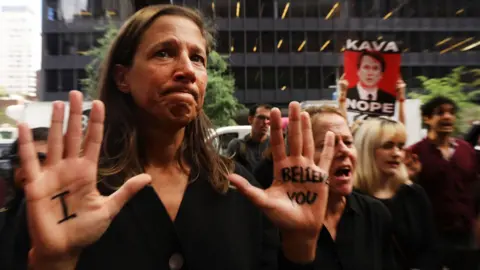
(372, 69)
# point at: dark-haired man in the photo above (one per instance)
(370, 69)
(248, 151)
(447, 174)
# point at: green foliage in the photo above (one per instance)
(453, 86)
(3, 92)
(98, 54)
(221, 106)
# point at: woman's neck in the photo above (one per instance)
(336, 204)
(161, 145)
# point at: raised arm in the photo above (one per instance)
(65, 211)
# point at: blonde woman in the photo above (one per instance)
(382, 174)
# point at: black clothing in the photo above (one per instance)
(363, 238)
(383, 97)
(415, 239)
(211, 231)
(264, 172)
(363, 233)
(247, 151)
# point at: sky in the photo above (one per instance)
(36, 7)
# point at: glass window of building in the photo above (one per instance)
(84, 42)
(237, 42)
(298, 41)
(68, 44)
(314, 78)
(52, 42)
(67, 80)
(222, 42)
(299, 78)
(253, 78)
(239, 75)
(267, 8)
(283, 42)
(51, 80)
(252, 42)
(268, 42)
(268, 75)
(284, 78)
(283, 9)
(252, 8)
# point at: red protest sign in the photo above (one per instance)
(372, 69)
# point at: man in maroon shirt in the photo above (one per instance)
(447, 174)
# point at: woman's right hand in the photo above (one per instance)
(65, 210)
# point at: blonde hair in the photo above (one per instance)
(370, 136)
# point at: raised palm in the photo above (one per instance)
(297, 199)
(65, 210)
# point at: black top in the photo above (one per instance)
(363, 233)
(414, 230)
(363, 238)
(211, 231)
(247, 151)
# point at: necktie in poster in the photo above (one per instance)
(372, 69)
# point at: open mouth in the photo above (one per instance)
(343, 172)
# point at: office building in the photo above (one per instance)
(17, 41)
(282, 50)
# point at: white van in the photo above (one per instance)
(222, 136)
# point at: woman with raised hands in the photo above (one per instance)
(165, 199)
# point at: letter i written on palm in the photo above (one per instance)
(297, 199)
(65, 210)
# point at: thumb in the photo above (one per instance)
(116, 201)
(256, 195)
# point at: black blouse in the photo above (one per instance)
(363, 238)
(414, 230)
(363, 233)
(211, 231)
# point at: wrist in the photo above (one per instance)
(63, 262)
(299, 248)
(401, 100)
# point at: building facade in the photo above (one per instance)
(17, 71)
(280, 50)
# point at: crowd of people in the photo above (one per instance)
(143, 187)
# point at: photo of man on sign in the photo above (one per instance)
(372, 76)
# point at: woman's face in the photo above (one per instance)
(168, 76)
(390, 155)
(345, 156)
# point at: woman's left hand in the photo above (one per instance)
(297, 200)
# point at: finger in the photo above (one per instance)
(308, 144)
(256, 195)
(294, 129)
(73, 137)
(28, 155)
(276, 135)
(94, 136)
(342, 77)
(327, 152)
(117, 200)
(55, 134)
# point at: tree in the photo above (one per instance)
(220, 105)
(98, 54)
(454, 86)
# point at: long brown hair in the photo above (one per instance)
(122, 155)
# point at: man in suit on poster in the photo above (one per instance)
(370, 69)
